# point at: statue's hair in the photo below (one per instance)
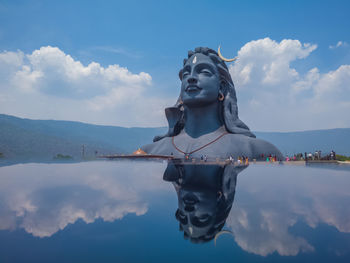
(229, 112)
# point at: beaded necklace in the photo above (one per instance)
(187, 154)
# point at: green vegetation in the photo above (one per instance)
(1, 155)
(60, 156)
(342, 158)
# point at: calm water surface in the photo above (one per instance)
(111, 211)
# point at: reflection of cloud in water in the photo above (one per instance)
(45, 198)
(263, 232)
(270, 200)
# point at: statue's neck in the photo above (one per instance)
(202, 120)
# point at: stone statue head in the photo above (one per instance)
(220, 88)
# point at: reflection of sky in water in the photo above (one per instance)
(45, 198)
(266, 207)
(117, 208)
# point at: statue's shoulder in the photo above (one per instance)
(158, 147)
(236, 144)
(260, 146)
(240, 140)
(147, 148)
(252, 146)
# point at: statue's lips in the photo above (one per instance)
(192, 88)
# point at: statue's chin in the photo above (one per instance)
(198, 102)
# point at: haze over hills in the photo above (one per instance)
(43, 139)
(25, 139)
(337, 140)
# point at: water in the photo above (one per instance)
(113, 211)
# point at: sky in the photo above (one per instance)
(117, 62)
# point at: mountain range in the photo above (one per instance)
(32, 140)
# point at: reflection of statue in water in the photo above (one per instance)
(205, 196)
(204, 121)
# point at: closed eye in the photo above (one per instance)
(185, 73)
(206, 72)
(201, 221)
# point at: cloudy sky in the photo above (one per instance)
(116, 63)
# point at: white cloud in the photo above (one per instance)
(263, 232)
(268, 62)
(339, 44)
(274, 96)
(51, 84)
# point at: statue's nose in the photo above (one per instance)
(190, 199)
(192, 80)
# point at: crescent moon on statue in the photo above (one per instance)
(225, 59)
(221, 233)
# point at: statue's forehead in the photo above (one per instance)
(197, 59)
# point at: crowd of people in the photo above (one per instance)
(269, 158)
(240, 160)
(317, 155)
(244, 160)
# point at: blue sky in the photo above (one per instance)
(304, 44)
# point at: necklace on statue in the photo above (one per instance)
(187, 154)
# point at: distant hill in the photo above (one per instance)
(27, 139)
(42, 139)
(310, 141)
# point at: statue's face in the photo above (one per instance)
(196, 211)
(200, 81)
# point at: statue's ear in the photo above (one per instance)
(224, 87)
(230, 110)
(225, 75)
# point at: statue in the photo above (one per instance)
(204, 121)
(205, 197)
